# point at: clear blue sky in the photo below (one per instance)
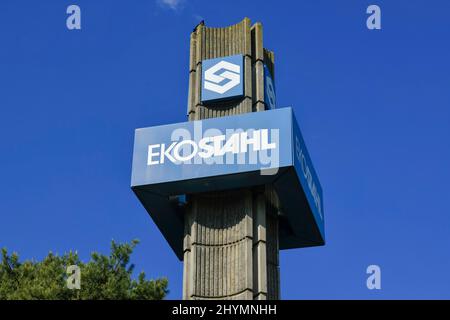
(374, 108)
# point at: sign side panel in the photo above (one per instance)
(308, 177)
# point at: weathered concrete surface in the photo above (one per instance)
(231, 237)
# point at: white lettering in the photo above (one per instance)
(152, 154)
(212, 146)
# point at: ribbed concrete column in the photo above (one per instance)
(231, 237)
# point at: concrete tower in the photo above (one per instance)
(231, 239)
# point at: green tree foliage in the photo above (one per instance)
(103, 277)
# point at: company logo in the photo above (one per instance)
(259, 147)
(230, 72)
(222, 78)
(208, 147)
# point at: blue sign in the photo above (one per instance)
(222, 78)
(227, 153)
(269, 89)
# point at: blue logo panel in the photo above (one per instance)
(222, 78)
(269, 89)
